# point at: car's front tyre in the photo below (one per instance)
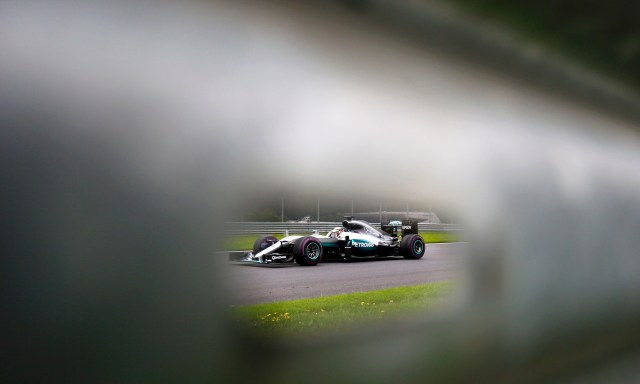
(263, 243)
(307, 251)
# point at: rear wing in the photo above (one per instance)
(404, 227)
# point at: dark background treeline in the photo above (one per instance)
(604, 35)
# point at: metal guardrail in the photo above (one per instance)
(266, 228)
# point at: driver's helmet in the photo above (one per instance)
(337, 231)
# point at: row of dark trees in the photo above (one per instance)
(603, 34)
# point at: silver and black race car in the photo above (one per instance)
(354, 239)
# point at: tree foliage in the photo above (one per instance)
(602, 34)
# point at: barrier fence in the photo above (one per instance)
(266, 228)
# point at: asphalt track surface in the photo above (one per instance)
(253, 284)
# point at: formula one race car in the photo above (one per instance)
(355, 239)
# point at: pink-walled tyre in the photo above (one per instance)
(263, 242)
(412, 247)
(307, 251)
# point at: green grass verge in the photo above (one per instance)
(245, 242)
(440, 237)
(351, 309)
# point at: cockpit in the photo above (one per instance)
(361, 227)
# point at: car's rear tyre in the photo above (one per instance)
(263, 243)
(307, 251)
(412, 247)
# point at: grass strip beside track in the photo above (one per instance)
(245, 242)
(350, 309)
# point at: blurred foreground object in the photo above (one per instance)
(128, 130)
